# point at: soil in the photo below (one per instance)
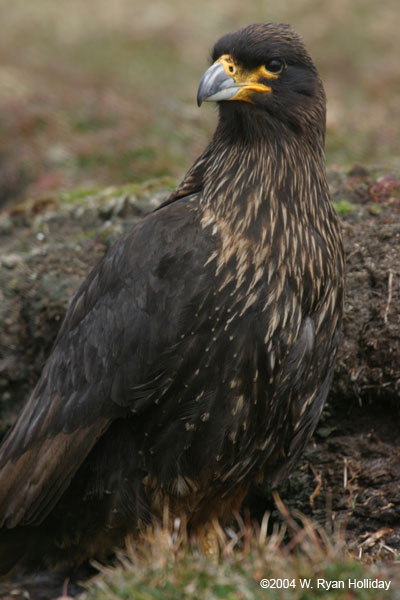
(348, 480)
(350, 472)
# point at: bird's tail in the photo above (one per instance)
(15, 545)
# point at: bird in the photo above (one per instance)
(195, 359)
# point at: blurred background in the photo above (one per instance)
(101, 92)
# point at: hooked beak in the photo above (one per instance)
(216, 85)
(227, 80)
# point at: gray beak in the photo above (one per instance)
(216, 85)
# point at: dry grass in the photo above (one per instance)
(100, 92)
(165, 565)
(97, 93)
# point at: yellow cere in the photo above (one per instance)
(248, 80)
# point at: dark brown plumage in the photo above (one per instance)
(196, 357)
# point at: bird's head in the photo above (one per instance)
(265, 69)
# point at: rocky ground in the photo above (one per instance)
(351, 470)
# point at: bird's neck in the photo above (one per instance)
(256, 168)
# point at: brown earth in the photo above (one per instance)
(350, 471)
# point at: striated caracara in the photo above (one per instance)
(196, 357)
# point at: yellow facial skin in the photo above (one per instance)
(248, 80)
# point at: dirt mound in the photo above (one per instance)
(351, 468)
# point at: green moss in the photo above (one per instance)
(343, 207)
(146, 187)
(75, 196)
(374, 209)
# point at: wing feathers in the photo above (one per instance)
(31, 484)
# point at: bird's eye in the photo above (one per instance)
(275, 66)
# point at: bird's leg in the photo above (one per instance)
(210, 537)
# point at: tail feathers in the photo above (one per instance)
(45, 585)
(26, 549)
(29, 549)
(12, 549)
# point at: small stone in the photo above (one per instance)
(358, 171)
(9, 261)
(6, 226)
